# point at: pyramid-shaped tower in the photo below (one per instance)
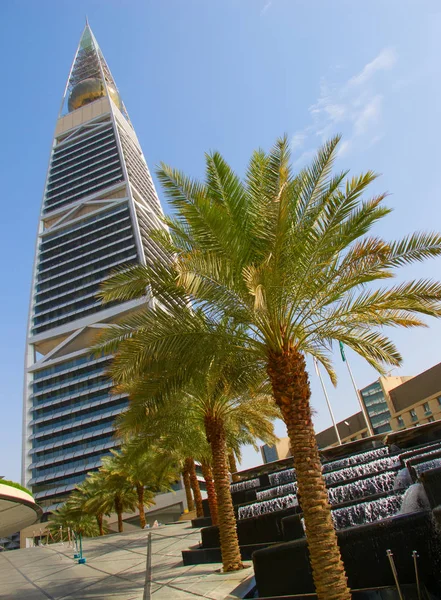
(99, 207)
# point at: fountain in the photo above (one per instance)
(367, 512)
(374, 509)
(356, 459)
(267, 506)
(364, 487)
(426, 465)
(280, 477)
(360, 470)
(280, 490)
(414, 500)
(240, 486)
(403, 479)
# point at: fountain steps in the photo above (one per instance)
(329, 486)
(281, 525)
(284, 569)
(204, 556)
(367, 477)
(365, 456)
(420, 450)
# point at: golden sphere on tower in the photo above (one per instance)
(88, 91)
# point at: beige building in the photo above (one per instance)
(418, 400)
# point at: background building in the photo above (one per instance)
(376, 399)
(98, 209)
(392, 403)
(418, 400)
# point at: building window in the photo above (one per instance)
(426, 407)
(400, 421)
(413, 415)
(439, 400)
(430, 419)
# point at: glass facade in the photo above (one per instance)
(99, 208)
(269, 453)
(376, 406)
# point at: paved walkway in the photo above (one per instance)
(116, 569)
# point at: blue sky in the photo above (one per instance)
(229, 75)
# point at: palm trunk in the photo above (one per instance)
(140, 493)
(231, 559)
(187, 486)
(211, 492)
(119, 511)
(233, 466)
(290, 383)
(195, 486)
(99, 519)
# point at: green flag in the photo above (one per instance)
(342, 352)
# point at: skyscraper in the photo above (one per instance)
(98, 208)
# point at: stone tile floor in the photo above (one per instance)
(116, 569)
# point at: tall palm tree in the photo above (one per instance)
(289, 257)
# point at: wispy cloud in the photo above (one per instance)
(266, 8)
(383, 62)
(353, 107)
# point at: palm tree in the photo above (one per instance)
(176, 431)
(214, 389)
(79, 502)
(289, 258)
(170, 435)
(114, 492)
(68, 516)
(139, 465)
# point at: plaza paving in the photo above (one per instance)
(116, 569)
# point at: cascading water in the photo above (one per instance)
(337, 495)
(282, 477)
(427, 465)
(240, 486)
(356, 459)
(375, 466)
(335, 476)
(269, 506)
(280, 490)
(367, 512)
(364, 487)
(403, 479)
(415, 499)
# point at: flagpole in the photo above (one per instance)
(327, 400)
(360, 400)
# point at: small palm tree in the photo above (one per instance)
(287, 257)
(139, 465)
(113, 492)
(78, 502)
(68, 516)
(214, 390)
(170, 435)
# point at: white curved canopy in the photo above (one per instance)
(17, 510)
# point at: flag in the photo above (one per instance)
(316, 365)
(342, 351)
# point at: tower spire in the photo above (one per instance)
(89, 77)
